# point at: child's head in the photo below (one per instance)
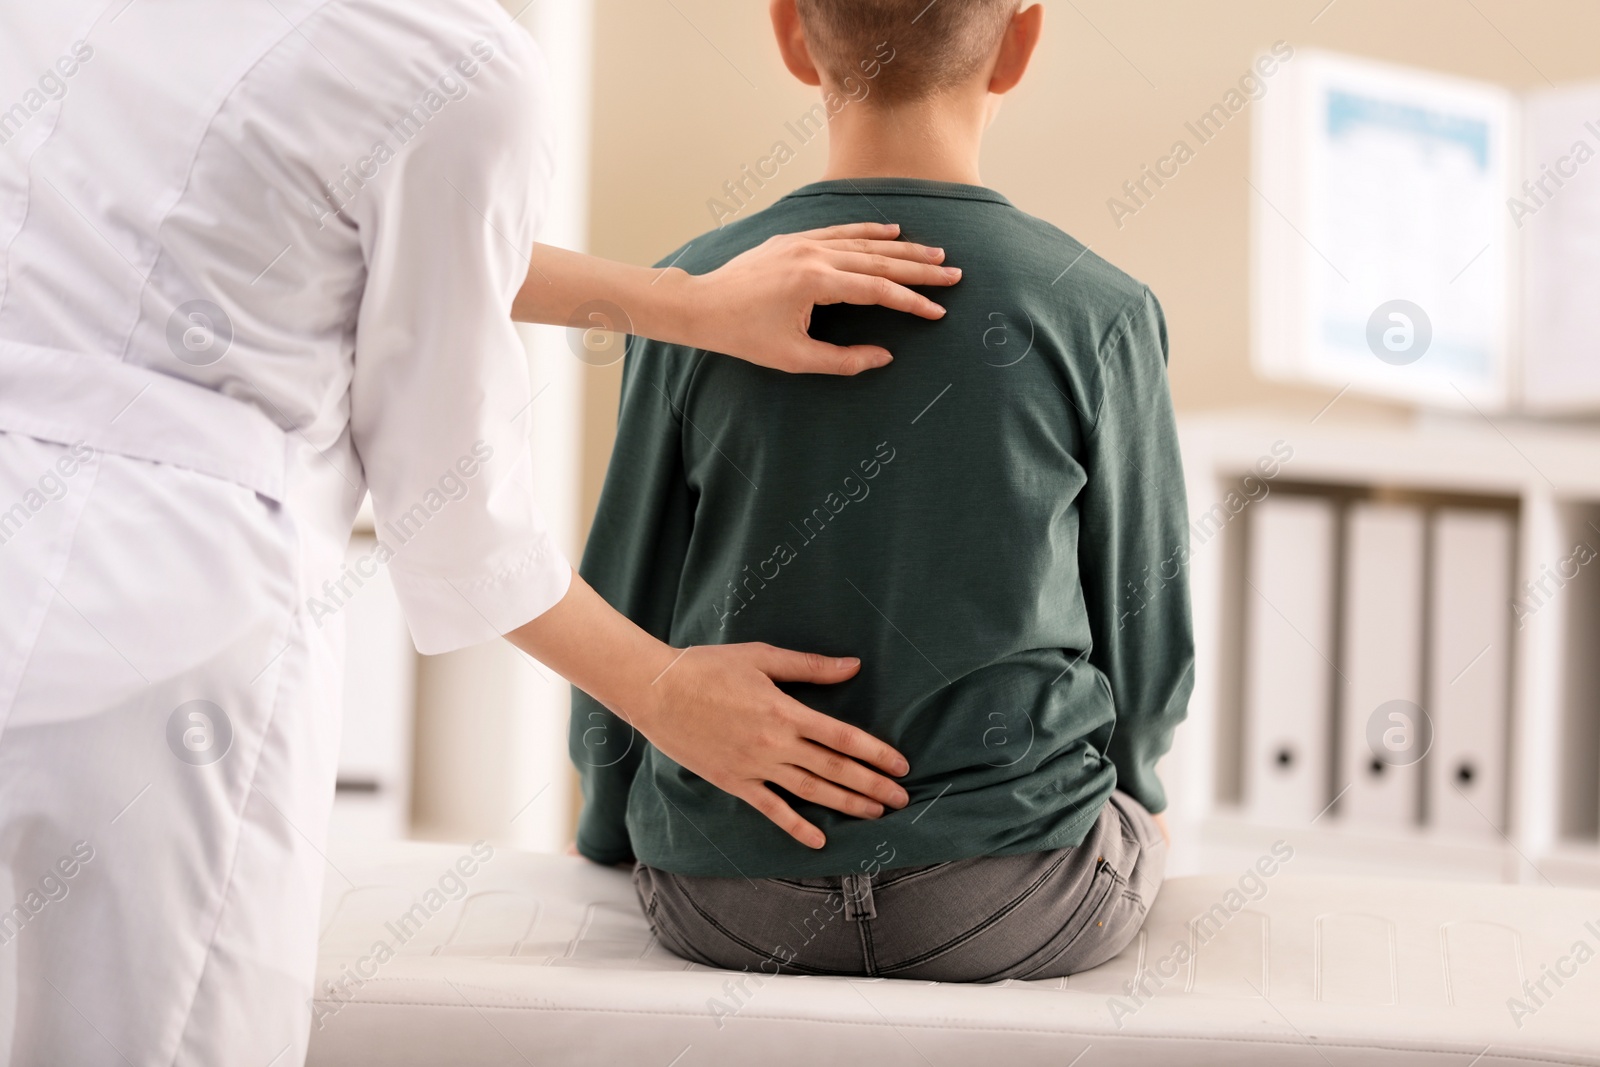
(911, 51)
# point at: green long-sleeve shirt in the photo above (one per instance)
(994, 523)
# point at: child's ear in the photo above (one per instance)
(1016, 48)
(792, 42)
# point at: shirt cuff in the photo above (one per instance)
(445, 613)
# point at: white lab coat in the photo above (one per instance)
(255, 258)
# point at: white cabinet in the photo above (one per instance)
(372, 799)
(1466, 582)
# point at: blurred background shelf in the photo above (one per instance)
(1229, 841)
(1525, 806)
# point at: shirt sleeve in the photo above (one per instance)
(440, 396)
(1133, 550)
(635, 559)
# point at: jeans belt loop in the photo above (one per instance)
(858, 902)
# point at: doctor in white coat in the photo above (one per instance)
(256, 259)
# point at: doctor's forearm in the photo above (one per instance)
(598, 650)
(563, 288)
(756, 307)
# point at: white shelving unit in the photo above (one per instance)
(1547, 477)
(372, 799)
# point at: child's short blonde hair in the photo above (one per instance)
(934, 45)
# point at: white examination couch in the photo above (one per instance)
(546, 961)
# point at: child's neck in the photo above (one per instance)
(937, 140)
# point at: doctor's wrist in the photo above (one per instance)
(640, 698)
(597, 649)
(667, 308)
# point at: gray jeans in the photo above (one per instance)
(1035, 915)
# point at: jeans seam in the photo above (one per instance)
(742, 943)
(799, 887)
(994, 917)
(1097, 908)
(869, 954)
(889, 878)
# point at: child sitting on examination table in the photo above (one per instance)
(994, 523)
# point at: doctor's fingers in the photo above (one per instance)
(894, 268)
(860, 231)
(847, 740)
(805, 355)
(818, 790)
(787, 665)
(906, 250)
(845, 286)
(781, 815)
(861, 782)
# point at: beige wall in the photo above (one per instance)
(686, 91)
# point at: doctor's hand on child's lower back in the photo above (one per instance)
(756, 307)
(716, 711)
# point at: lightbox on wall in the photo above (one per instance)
(1427, 238)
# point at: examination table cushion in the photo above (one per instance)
(431, 954)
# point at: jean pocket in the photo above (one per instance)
(812, 886)
(910, 874)
(1085, 933)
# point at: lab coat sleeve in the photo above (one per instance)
(440, 399)
(635, 559)
(1133, 550)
